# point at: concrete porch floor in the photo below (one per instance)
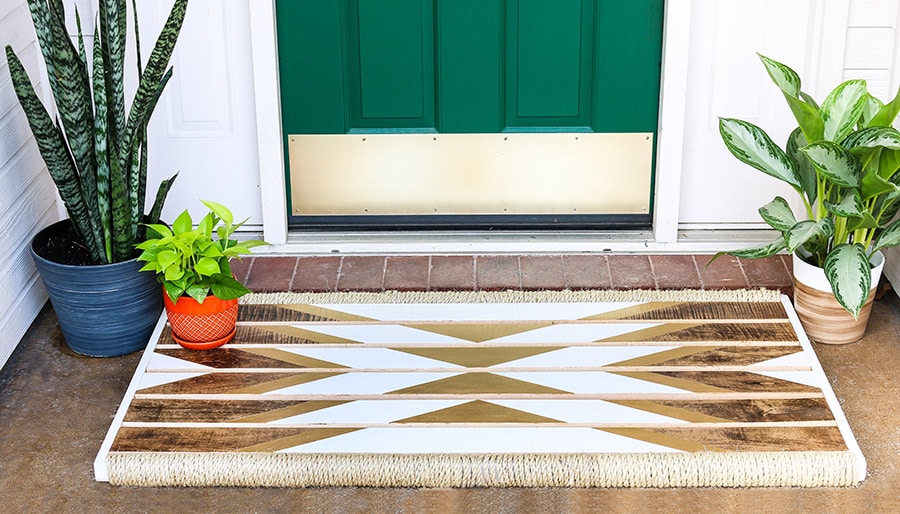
(55, 406)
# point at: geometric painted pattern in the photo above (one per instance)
(422, 379)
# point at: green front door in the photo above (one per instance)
(478, 67)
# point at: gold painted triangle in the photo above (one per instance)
(477, 357)
(664, 356)
(287, 412)
(305, 437)
(631, 312)
(669, 441)
(477, 332)
(478, 411)
(669, 411)
(479, 383)
(307, 336)
(650, 334)
(274, 385)
(678, 383)
(293, 358)
(317, 313)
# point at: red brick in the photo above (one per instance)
(240, 268)
(724, 273)
(361, 273)
(769, 273)
(452, 273)
(497, 272)
(406, 273)
(542, 272)
(675, 271)
(586, 272)
(316, 274)
(631, 272)
(271, 274)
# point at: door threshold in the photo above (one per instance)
(513, 242)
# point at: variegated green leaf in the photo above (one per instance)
(873, 137)
(835, 162)
(888, 238)
(850, 275)
(888, 114)
(782, 75)
(873, 185)
(778, 214)
(752, 146)
(872, 107)
(806, 172)
(843, 108)
(760, 251)
(808, 230)
(889, 164)
(851, 205)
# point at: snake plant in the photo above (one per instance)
(843, 161)
(96, 150)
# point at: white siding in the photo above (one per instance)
(27, 195)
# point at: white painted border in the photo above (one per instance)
(273, 192)
(670, 130)
(101, 470)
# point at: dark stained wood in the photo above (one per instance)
(235, 383)
(741, 439)
(725, 332)
(217, 411)
(732, 356)
(700, 311)
(731, 381)
(780, 410)
(169, 439)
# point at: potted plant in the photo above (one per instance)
(843, 161)
(199, 291)
(96, 153)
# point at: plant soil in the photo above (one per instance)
(58, 243)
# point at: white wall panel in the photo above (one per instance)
(726, 79)
(205, 125)
(27, 195)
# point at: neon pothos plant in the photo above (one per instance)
(96, 151)
(189, 261)
(843, 161)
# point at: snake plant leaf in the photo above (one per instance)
(888, 238)
(778, 214)
(806, 172)
(850, 275)
(113, 18)
(52, 145)
(835, 162)
(843, 108)
(888, 114)
(40, 15)
(159, 202)
(150, 80)
(752, 146)
(101, 149)
(808, 230)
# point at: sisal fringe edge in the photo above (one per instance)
(684, 295)
(703, 469)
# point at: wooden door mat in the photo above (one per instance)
(571, 389)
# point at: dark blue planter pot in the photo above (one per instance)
(103, 310)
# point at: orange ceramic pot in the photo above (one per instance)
(201, 326)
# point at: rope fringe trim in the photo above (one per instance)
(686, 295)
(705, 469)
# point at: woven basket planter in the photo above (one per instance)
(822, 317)
(201, 326)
